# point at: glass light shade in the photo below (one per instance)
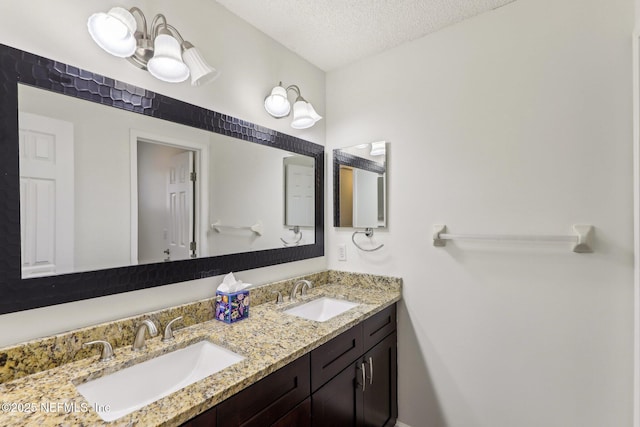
(277, 103)
(166, 64)
(304, 115)
(114, 31)
(378, 148)
(201, 72)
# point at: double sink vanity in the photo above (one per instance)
(327, 357)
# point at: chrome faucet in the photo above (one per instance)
(305, 285)
(138, 342)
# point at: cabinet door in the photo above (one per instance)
(380, 395)
(339, 401)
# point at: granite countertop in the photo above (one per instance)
(268, 339)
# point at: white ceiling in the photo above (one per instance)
(333, 33)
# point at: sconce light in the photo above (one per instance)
(378, 148)
(162, 51)
(375, 148)
(277, 104)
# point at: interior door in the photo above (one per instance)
(365, 198)
(300, 201)
(46, 195)
(180, 207)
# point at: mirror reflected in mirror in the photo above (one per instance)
(360, 187)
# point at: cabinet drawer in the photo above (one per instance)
(379, 326)
(269, 399)
(332, 357)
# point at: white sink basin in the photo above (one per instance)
(321, 309)
(129, 389)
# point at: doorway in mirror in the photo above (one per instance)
(166, 195)
(166, 182)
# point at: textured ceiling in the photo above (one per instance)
(333, 33)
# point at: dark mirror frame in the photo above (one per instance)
(16, 294)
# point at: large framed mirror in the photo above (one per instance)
(111, 188)
(360, 186)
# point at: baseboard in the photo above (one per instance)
(399, 424)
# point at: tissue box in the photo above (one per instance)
(231, 307)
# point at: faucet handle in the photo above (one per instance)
(168, 330)
(279, 299)
(107, 349)
(306, 285)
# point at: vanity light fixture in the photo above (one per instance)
(162, 51)
(378, 148)
(277, 104)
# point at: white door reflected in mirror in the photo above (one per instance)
(46, 195)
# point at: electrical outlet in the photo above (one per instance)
(342, 252)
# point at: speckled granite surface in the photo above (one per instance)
(46, 353)
(268, 339)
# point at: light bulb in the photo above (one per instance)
(277, 103)
(114, 31)
(166, 64)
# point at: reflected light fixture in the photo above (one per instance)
(162, 51)
(378, 148)
(277, 104)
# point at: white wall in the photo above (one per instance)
(251, 64)
(246, 187)
(515, 121)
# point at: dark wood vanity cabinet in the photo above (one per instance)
(300, 416)
(269, 400)
(278, 400)
(364, 391)
(380, 391)
(206, 419)
(348, 381)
